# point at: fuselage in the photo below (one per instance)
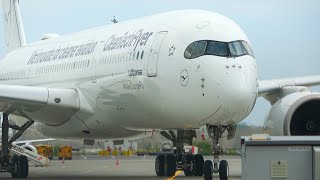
(136, 76)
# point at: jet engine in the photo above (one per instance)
(295, 114)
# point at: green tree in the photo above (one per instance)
(204, 147)
(55, 151)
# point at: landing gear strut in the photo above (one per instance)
(167, 164)
(16, 165)
(215, 133)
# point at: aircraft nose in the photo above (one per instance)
(232, 83)
(240, 89)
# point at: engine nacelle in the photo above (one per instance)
(30, 147)
(295, 114)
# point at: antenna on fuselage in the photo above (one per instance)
(114, 20)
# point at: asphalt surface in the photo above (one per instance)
(95, 167)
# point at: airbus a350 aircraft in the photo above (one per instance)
(123, 80)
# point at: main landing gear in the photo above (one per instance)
(210, 167)
(168, 164)
(16, 165)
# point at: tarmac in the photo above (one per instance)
(115, 168)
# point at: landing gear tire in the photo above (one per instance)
(170, 165)
(15, 168)
(189, 170)
(207, 170)
(21, 167)
(24, 165)
(198, 165)
(223, 170)
(159, 165)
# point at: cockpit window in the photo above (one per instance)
(195, 49)
(237, 49)
(190, 49)
(217, 48)
(200, 49)
(248, 48)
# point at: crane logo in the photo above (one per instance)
(184, 77)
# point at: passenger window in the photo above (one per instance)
(217, 48)
(133, 55)
(199, 50)
(190, 49)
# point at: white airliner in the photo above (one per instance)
(127, 79)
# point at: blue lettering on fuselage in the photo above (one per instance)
(67, 51)
(63, 52)
(127, 40)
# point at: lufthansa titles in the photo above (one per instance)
(134, 72)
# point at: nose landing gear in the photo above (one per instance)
(210, 167)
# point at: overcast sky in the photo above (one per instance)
(285, 34)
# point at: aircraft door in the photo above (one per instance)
(154, 53)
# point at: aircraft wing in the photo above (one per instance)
(47, 105)
(272, 86)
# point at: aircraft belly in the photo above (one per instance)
(76, 129)
(73, 128)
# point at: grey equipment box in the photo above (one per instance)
(267, 157)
